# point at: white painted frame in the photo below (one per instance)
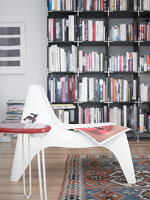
(14, 69)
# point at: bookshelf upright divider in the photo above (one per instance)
(99, 62)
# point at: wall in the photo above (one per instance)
(33, 14)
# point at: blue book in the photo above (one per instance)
(50, 5)
(61, 5)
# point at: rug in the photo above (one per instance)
(100, 177)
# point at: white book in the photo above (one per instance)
(115, 112)
(134, 55)
(49, 59)
(92, 115)
(91, 89)
(63, 29)
(83, 30)
(127, 61)
(49, 29)
(93, 64)
(53, 4)
(125, 90)
(104, 92)
(125, 115)
(119, 116)
(84, 89)
(97, 62)
(58, 5)
(66, 117)
(58, 59)
(62, 60)
(71, 27)
(99, 30)
(90, 30)
(101, 62)
(80, 60)
(55, 57)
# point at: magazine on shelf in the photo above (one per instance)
(103, 132)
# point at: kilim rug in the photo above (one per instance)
(100, 177)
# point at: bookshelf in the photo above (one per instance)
(99, 61)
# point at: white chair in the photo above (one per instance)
(61, 136)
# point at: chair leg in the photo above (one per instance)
(24, 180)
(120, 148)
(44, 171)
(39, 172)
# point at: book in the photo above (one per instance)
(102, 133)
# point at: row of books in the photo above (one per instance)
(62, 5)
(73, 5)
(92, 62)
(144, 63)
(121, 90)
(61, 60)
(91, 30)
(94, 5)
(92, 89)
(144, 92)
(125, 116)
(144, 5)
(124, 32)
(118, 5)
(65, 112)
(62, 29)
(92, 114)
(125, 63)
(144, 32)
(63, 89)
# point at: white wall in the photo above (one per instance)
(33, 13)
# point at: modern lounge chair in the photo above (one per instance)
(61, 135)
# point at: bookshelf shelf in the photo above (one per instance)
(109, 76)
(61, 73)
(123, 14)
(122, 43)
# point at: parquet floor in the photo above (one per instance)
(55, 168)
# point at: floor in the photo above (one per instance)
(55, 168)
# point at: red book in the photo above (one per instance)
(135, 30)
(101, 5)
(145, 32)
(94, 5)
(114, 90)
(84, 5)
(94, 33)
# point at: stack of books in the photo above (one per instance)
(13, 115)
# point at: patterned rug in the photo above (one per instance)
(100, 177)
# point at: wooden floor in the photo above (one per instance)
(55, 168)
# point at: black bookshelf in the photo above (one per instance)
(108, 48)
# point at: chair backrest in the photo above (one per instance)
(37, 102)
